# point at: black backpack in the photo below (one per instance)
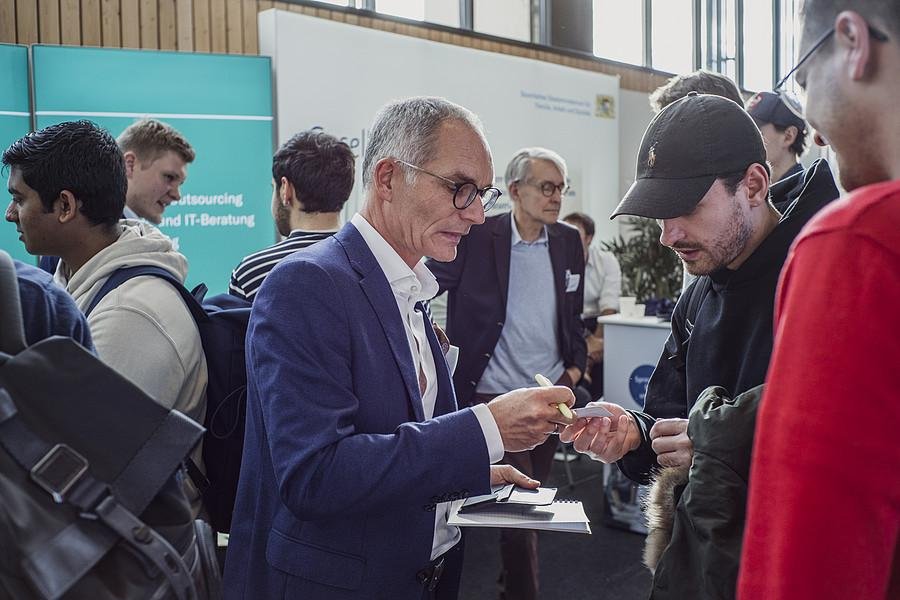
(93, 503)
(222, 321)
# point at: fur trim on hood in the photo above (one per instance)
(659, 509)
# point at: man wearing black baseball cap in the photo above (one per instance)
(779, 117)
(780, 121)
(702, 174)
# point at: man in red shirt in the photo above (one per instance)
(824, 509)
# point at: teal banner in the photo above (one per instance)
(15, 121)
(221, 104)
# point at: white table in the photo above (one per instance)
(631, 349)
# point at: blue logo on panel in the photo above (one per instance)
(637, 383)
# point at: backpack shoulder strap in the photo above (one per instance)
(122, 275)
(12, 333)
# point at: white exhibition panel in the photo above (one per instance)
(631, 349)
(336, 76)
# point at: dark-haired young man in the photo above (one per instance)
(312, 176)
(824, 511)
(68, 189)
(780, 121)
(707, 187)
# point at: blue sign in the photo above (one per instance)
(223, 106)
(637, 383)
(15, 121)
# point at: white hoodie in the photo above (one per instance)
(143, 329)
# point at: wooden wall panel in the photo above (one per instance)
(70, 22)
(149, 24)
(48, 21)
(234, 27)
(218, 26)
(202, 40)
(184, 10)
(251, 33)
(91, 34)
(168, 38)
(27, 22)
(8, 21)
(131, 23)
(231, 26)
(110, 22)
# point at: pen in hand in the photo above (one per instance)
(563, 408)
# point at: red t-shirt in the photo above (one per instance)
(824, 507)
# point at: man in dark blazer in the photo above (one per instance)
(516, 290)
(354, 444)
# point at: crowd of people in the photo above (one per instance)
(767, 425)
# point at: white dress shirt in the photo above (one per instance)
(411, 286)
(602, 282)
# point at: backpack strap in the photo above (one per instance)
(120, 276)
(65, 475)
(12, 332)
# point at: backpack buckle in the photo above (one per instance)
(59, 470)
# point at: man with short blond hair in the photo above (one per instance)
(156, 159)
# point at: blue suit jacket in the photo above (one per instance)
(340, 470)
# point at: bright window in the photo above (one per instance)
(758, 46)
(672, 39)
(503, 18)
(410, 9)
(619, 30)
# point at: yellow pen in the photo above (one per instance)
(563, 408)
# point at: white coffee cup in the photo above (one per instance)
(626, 305)
(638, 311)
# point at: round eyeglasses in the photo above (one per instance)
(548, 187)
(464, 193)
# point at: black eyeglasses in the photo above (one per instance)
(463, 193)
(548, 187)
(876, 35)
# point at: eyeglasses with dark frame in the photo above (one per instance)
(465, 190)
(548, 187)
(876, 35)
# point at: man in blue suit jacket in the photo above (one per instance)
(354, 443)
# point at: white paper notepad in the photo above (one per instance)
(561, 515)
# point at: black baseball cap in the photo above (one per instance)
(687, 146)
(776, 108)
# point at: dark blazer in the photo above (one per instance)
(477, 282)
(340, 470)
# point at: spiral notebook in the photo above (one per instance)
(561, 515)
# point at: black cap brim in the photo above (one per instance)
(658, 198)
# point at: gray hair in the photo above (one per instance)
(407, 130)
(518, 167)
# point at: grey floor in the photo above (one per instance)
(603, 565)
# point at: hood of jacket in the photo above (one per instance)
(139, 244)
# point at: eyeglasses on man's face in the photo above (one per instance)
(548, 187)
(876, 35)
(464, 193)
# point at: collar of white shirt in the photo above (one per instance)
(417, 283)
(517, 237)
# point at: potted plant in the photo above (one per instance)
(650, 272)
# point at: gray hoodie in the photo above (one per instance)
(143, 329)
